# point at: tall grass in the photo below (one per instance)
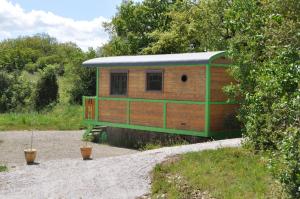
(224, 173)
(61, 117)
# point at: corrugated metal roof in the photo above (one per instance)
(153, 60)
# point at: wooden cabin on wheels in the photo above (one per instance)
(171, 93)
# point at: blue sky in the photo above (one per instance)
(76, 9)
(68, 21)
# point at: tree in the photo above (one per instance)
(84, 79)
(15, 92)
(47, 89)
(131, 26)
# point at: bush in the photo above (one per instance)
(288, 159)
(47, 89)
(267, 69)
(15, 92)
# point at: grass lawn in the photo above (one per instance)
(223, 173)
(62, 117)
(3, 168)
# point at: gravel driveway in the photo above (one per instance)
(117, 177)
(51, 145)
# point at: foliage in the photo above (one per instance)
(84, 82)
(266, 53)
(61, 117)
(131, 27)
(15, 92)
(3, 168)
(87, 135)
(208, 174)
(35, 54)
(286, 161)
(47, 89)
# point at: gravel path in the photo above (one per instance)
(117, 177)
(51, 145)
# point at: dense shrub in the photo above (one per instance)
(15, 92)
(46, 89)
(285, 162)
(84, 79)
(84, 85)
(266, 51)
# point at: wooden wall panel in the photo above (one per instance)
(192, 89)
(173, 87)
(222, 60)
(113, 111)
(186, 116)
(89, 109)
(219, 79)
(104, 82)
(223, 117)
(146, 114)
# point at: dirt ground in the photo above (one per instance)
(51, 145)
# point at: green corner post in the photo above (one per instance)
(207, 99)
(165, 114)
(97, 96)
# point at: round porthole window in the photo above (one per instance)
(184, 78)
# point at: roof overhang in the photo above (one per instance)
(155, 60)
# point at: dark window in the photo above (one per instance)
(154, 80)
(118, 83)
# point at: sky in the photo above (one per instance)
(76, 21)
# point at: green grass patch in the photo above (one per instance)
(3, 168)
(223, 173)
(61, 117)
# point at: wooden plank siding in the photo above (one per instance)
(222, 117)
(219, 79)
(146, 114)
(89, 109)
(179, 116)
(221, 60)
(173, 87)
(113, 111)
(186, 116)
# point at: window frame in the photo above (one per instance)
(127, 86)
(162, 80)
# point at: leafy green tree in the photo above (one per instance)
(15, 92)
(265, 51)
(47, 89)
(84, 80)
(130, 27)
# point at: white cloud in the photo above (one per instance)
(14, 21)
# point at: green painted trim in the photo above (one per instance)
(90, 97)
(128, 112)
(215, 57)
(149, 66)
(215, 135)
(226, 102)
(161, 100)
(147, 128)
(220, 65)
(207, 99)
(83, 106)
(165, 114)
(97, 96)
(151, 100)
